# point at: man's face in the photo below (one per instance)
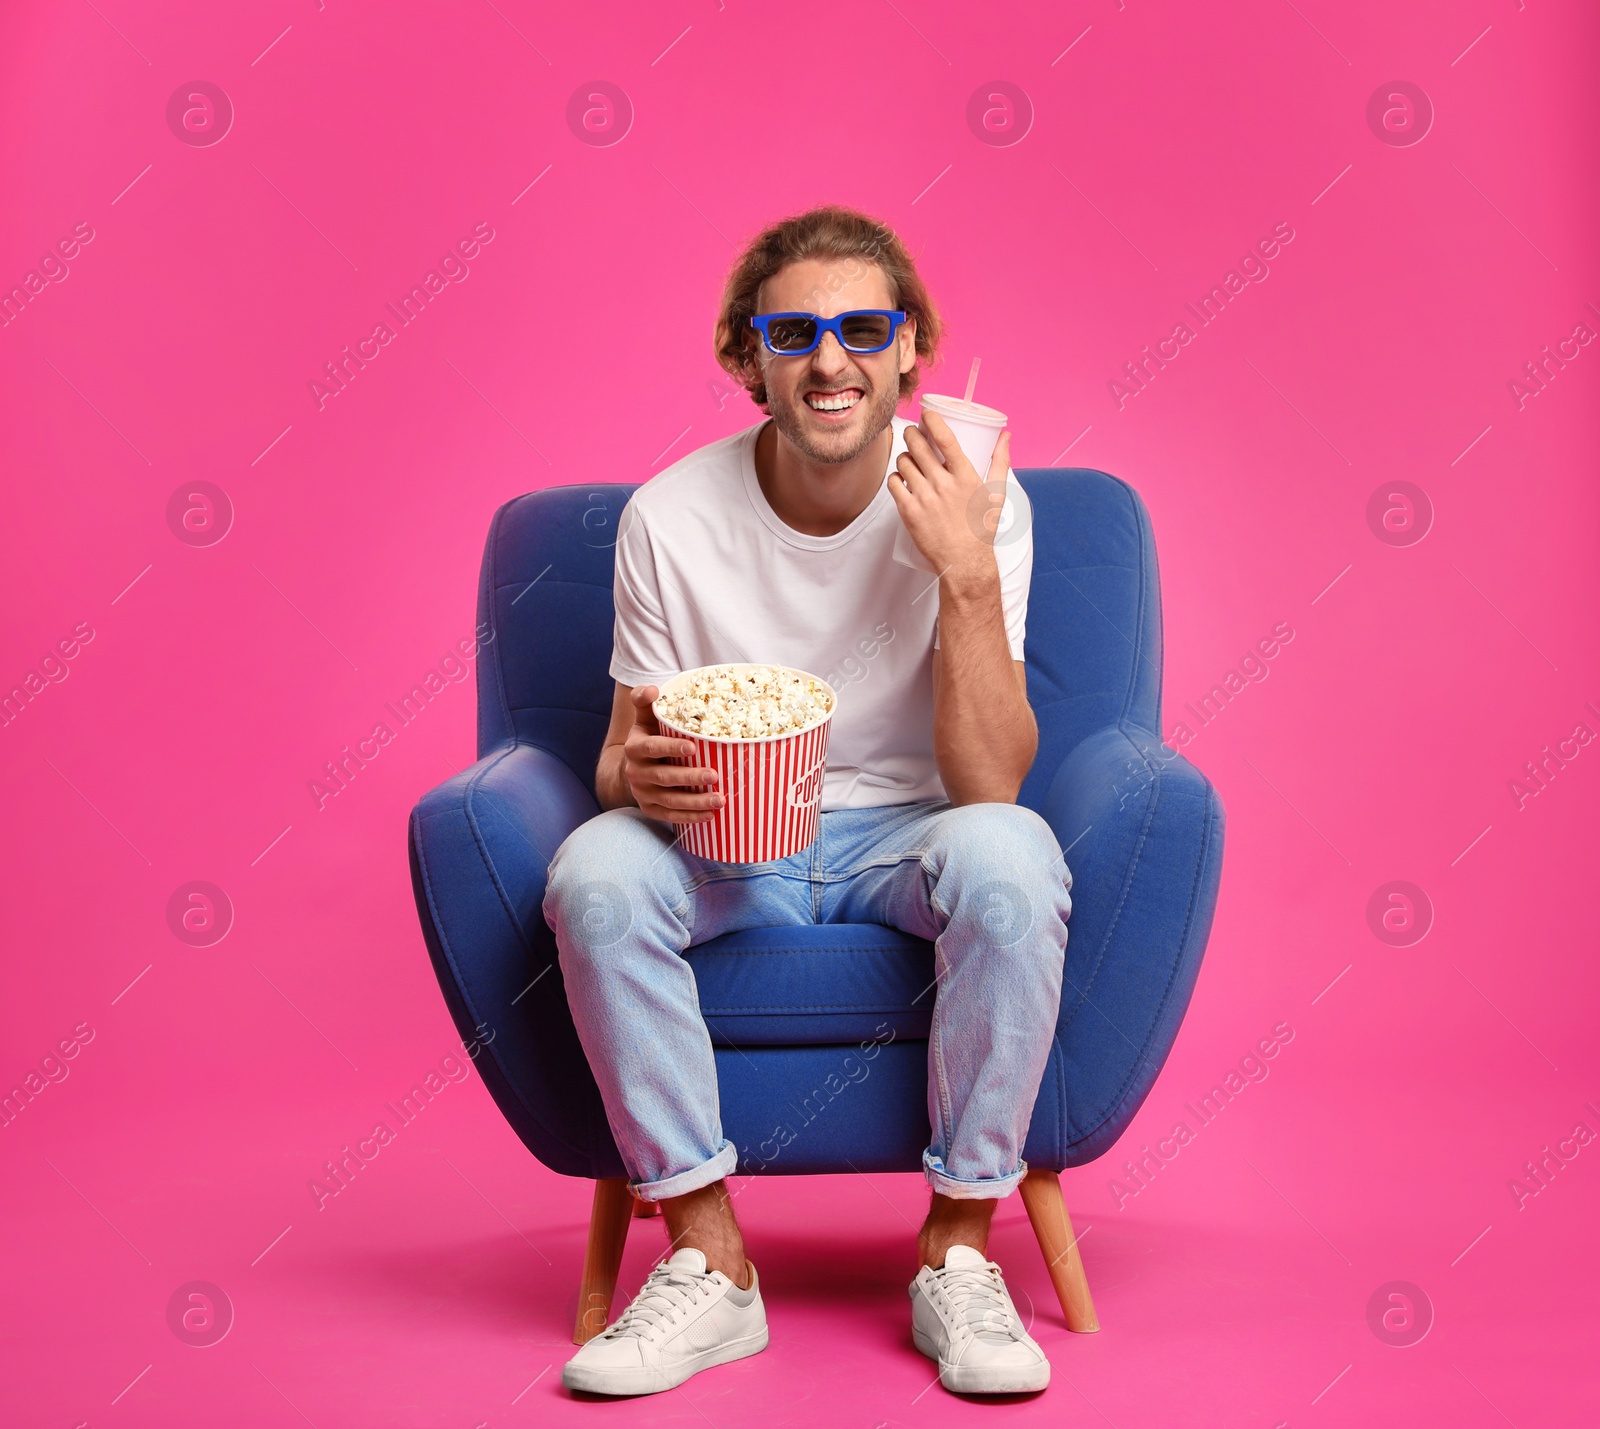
(868, 381)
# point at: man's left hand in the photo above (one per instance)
(951, 512)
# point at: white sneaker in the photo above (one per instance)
(962, 1316)
(683, 1320)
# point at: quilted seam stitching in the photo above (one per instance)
(1183, 944)
(461, 991)
(599, 1128)
(499, 667)
(482, 846)
(799, 949)
(1138, 627)
(1127, 882)
(1116, 918)
(555, 581)
(784, 1009)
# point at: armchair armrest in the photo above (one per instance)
(1142, 830)
(519, 803)
(481, 845)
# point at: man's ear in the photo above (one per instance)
(908, 344)
(749, 341)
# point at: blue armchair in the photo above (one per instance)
(821, 1053)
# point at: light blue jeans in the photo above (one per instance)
(985, 883)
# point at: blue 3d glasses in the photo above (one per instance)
(795, 334)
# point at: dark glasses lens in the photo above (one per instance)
(791, 334)
(865, 331)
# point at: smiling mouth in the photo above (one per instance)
(834, 404)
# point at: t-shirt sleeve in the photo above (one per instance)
(642, 652)
(1013, 553)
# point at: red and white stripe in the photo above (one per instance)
(773, 790)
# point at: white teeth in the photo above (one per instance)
(840, 403)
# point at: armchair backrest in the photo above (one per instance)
(1094, 618)
(545, 591)
(1094, 614)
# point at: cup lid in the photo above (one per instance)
(968, 411)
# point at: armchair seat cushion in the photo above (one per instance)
(812, 984)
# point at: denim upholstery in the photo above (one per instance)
(789, 1008)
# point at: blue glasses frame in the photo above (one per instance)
(835, 325)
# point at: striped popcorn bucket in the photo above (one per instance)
(772, 786)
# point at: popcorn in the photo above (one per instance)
(758, 702)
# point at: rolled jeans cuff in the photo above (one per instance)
(719, 1166)
(990, 1188)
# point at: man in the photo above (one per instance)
(774, 545)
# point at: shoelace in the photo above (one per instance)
(664, 1292)
(978, 1299)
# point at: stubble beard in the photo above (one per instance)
(823, 446)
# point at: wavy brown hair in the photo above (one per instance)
(829, 232)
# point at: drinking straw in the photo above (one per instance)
(972, 378)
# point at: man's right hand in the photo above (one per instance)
(661, 789)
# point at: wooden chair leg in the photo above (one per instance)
(641, 1209)
(1047, 1209)
(608, 1233)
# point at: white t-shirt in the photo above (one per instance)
(706, 574)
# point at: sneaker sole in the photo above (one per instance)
(984, 1379)
(589, 1379)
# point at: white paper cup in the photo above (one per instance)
(977, 432)
(772, 786)
(977, 428)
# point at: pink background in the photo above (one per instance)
(1164, 142)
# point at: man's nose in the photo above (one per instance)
(830, 355)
